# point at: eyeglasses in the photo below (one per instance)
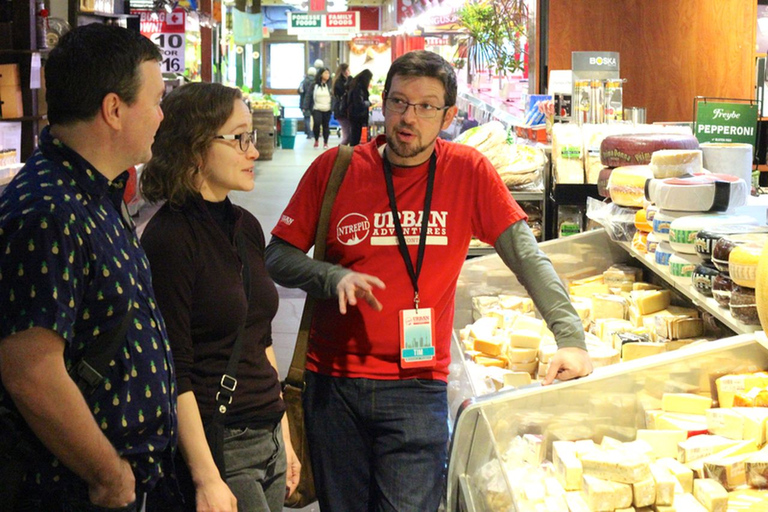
(244, 139)
(423, 110)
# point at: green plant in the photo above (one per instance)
(493, 29)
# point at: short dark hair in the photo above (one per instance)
(424, 63)
(194, 113)
(90, 62)
(319, 75)
(362, 80)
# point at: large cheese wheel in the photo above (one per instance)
(683, 231)
(672, 163)
(627, 185)
(742, 263)
(708, 237)
(698, 193)
(636, 149)
(661, 222)
(761, 288)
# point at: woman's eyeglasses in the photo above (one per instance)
(244, 139)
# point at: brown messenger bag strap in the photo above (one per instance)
(343, 158)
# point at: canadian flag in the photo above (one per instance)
(175, 18)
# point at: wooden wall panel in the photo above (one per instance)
(670, 50)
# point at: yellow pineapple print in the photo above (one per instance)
(147, 392)
(55, 248)
(115, 400)
(31, 246)
(123, 421)
(141, 416)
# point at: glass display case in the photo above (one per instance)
(611, 401)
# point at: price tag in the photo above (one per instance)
(167, 31)
(172, 48)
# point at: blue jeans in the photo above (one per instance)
(256, 466)
(377, 445)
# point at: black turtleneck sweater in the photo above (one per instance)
(196, 274)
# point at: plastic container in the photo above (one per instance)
(289, 127)
(287, 141)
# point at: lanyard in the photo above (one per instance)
(414, 274)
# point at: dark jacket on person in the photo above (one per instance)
(339, 97)
(305, 91)
(308, 101)
(358, 104)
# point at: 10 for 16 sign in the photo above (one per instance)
(167, 32)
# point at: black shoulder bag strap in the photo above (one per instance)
(295, 375)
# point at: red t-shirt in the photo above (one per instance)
(469, 198)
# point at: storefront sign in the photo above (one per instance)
(726, 122)
(370, 40)
(167, 32)
(437, 41)
(595, 61)
(332, 23)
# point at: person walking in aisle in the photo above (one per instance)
(319, 102)
(304, 89)
(359, 105)
(197, 244)
(76, 287)
(340, 101)
(376, 413)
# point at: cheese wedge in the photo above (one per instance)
(492, 346)
(568, 468)
(729, 471)
(525, 339)
(665, 484)
(609, 306)
(728, 385)
(663, 442)
(711, 494)
(644, 492)
(685, 403)
(683, 474)
(692, 424)
(755, 421)
(725, 422)
(698, 447)
(616, 465)
(632, 351)
(650, 301)
(606, 495)
(517, 379)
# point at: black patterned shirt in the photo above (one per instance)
(70, 262)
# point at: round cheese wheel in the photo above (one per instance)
(743, 305)
(680, 267)
(702, 278)
(602, 181)
(641, 221)
(698, 193)
(708, 237)
(721, 289)
(671, 163)
(683, 230)
(636, 149)
(663, 253)
(742, 263)
(761, 288)
(722, 250)
(650, 213)
(662, 220)
(627, 185)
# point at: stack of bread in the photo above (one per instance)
(697, 452)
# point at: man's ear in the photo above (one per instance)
(112, 110)
(449, 115)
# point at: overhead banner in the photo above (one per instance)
(247, 27)
(726, 122)
(167, 31)
(324, 25)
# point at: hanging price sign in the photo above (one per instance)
(166, 30)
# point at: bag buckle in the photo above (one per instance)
(228, 384)
(88, 375)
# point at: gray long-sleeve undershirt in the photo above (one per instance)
(517, 247)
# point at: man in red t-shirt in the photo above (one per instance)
(375, 402)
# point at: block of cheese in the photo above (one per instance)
(672, 163)
(521, 355)
(616, 465)
(747, 500)
(516, 303)
(528, 323)
(606, 495)
(687, 503)
(755, 419)
(529, 367)
(685, 403)
(665, 484)
(650, 301)
(632, 351)
(491, 346)
(691, 424)
(568, 468)
(729, 471)
(755, 397)
(517, 379)
(588, 290)
(609, 306)
(674, 327)
(576, 502)
(663, 442)
(698, 447)
(728, 385)
(698, 193)
(633, 149)
(725, 422)
(621, 276)
(740, 448)
(626, 185)
(683, 474)
(583, 308)
(490, 361)
(524, 339)
(644, 492)
(605, 328)
(645, 286)
(711, 494)
(484, 328)
(756, 468)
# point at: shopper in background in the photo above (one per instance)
(319, 102)
(304, 89)
(192, 244)
(340, 101)
(375, 416)
(359, 105)
(72, 269)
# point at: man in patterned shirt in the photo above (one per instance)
(71, 268)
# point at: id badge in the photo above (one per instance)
(417, 338)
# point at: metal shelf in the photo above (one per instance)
(521, 195)
(683, 285)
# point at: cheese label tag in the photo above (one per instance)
(417, 338)
(732, 383)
